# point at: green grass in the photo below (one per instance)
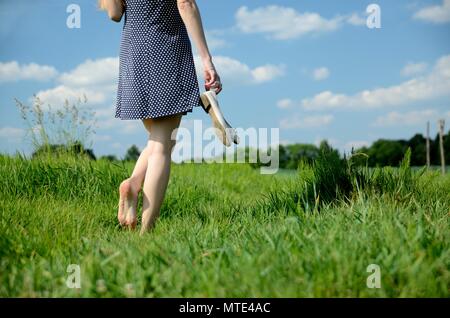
(225, 231)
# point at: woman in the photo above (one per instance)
(158, 85)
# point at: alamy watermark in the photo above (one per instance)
(74, 278)
(73, 20)
(374, 279)
(257, 145)
(374, 16)
(373, 20)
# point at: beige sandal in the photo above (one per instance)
(224, 131)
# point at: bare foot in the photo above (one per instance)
(127, 205)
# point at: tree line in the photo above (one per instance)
(382, 152)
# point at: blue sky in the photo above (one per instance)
(311, 68)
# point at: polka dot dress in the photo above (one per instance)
(157, 75)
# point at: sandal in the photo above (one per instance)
(224, 131)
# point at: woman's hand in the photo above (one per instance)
(212, 79)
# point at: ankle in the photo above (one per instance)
(135, 184)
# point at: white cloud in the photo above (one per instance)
(104, 116)
(321, 73)
(435, 13)
(12, 134)
(298, 122)
(57, 96)
(13, 72)
(96, 79)
(412, 118)
(283, 23)
(414, 69)
(435, 84)
(285, 103)
(234, 72)
(92, 73)
(267, 73)
(356, 19)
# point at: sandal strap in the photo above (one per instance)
(207, 108)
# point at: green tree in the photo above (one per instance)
(132, 154)
(418, 150)
(297, 153)
(386, 152)
(76, 149)
(447, 147)
(110, 158)
(283, 156)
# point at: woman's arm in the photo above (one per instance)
(191, 17)
(115, 8)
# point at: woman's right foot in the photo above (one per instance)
(127, 205)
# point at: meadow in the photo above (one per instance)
(225, 231)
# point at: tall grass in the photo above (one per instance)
(331, 180)
(225, 231)
(58, 130)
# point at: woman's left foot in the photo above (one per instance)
(127, 205)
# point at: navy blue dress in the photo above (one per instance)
(157, 74)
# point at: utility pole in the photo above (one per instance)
(441, 143)
(428, 145)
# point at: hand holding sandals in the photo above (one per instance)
(212, 79)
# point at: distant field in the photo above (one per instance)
(225, 231)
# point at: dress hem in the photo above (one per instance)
(183, 113)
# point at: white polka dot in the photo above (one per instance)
(157, 75)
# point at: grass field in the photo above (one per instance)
(225, 231)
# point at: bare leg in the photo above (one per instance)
(129, 191)
(158, 170)
(138, 175)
